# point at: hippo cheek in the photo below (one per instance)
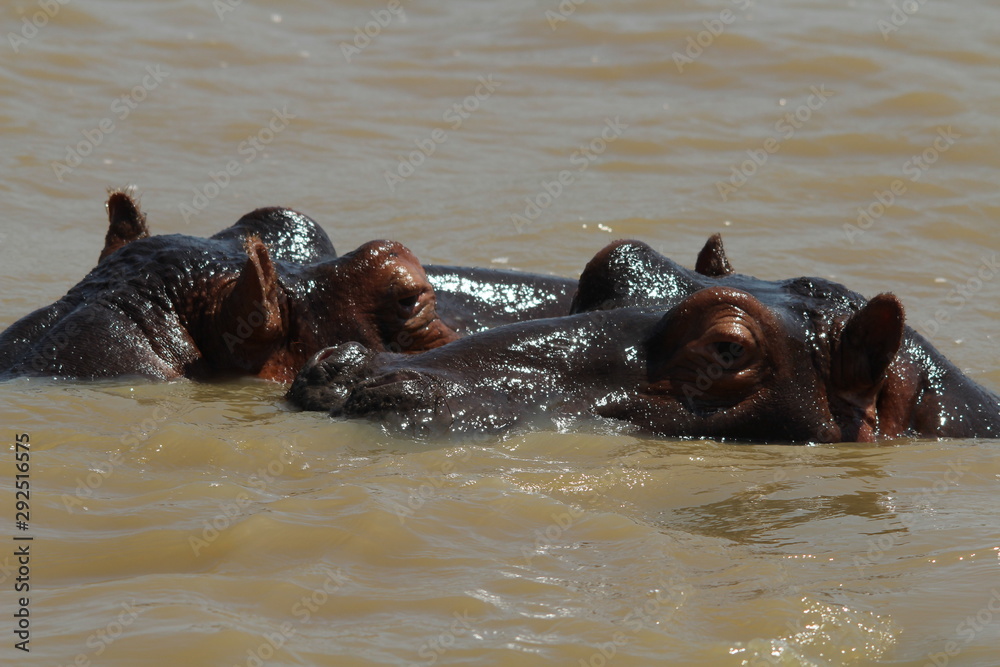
(404, 402)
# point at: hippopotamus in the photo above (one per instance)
(473, 299)
(289, 235)
(258, 298)
(264, 246)
(668, 351)
(469, 299)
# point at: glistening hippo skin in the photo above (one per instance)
(469, 299)
(679, 353)
(472, 299)
(258, 298)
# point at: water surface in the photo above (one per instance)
(209, 524)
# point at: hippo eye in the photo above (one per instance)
(728, 351)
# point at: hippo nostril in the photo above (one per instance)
(341, 358)
(411, 304)
(408, 303)
(325, 354)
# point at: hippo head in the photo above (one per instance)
(720, 364)
(261, 296)
(736, 356)
(704, 353)
(725, 364)
(268, 323)
(289, 235)
(631, 273)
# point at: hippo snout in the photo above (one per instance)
(349, 381)
(325, 382)
(406, 401)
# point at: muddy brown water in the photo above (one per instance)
(209, 524)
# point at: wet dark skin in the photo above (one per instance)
(472, 299)
(469, 299)
(679, 353)
(258, 298)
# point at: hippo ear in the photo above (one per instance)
(866, 348)
(126, 222)
(712, 260)
(252, 310)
